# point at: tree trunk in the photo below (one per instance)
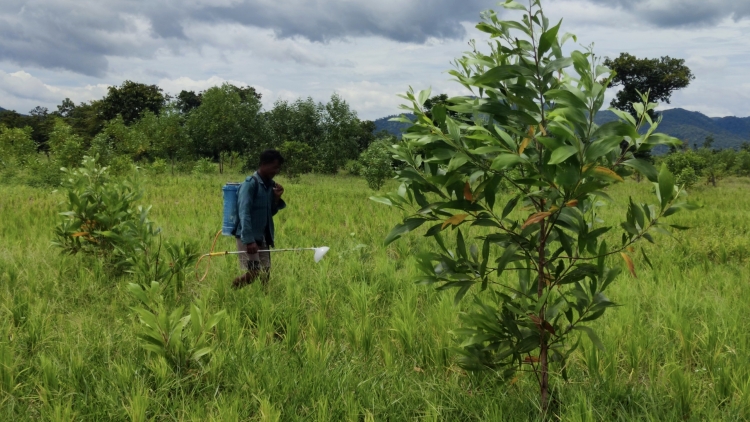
(543, 358)
(713, 180)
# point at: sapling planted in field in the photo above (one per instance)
(183, 341)
(538, 257)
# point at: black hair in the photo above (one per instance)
(269, 156)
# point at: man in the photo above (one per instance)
(258, 200)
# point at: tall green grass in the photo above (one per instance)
(352, 337)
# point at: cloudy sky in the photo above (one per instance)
(367, 51)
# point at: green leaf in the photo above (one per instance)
(666, 186)
(483, 265)
(644, 167)
(461, 245)
(548, 39)
(567, 98)
(504, 161)
(438, 114)
(502, 73)
(616, 128)
(556, 65)
(382, 200)
(401, 229)
(592, 335)
(602, 147)
(510, 206)
(506, 257)
(645, 258)
(200, 353)
(424, 95)
(513, 5)
(561, 154)
(458, 160)
(687, 206)
(461, 293)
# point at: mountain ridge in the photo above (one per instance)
(691, 127)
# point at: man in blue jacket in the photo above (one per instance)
(258, 200)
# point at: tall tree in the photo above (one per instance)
(225, 122)
(188, 100)
(662, 77)
(130, 100)
(366, 135)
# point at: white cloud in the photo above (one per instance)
(21, 92)
(367, 70)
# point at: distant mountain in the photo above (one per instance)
(689, 126)
(2, 109)
(394, 128)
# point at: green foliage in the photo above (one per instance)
(130, 101)
(687, 177)
(688, 166)
(159, 166)
(339, 331)
(353, 167)
(66, 147)
(204, 166)
(225, 121)
(332, 130)
(119, 140)
(537, 262)
(660, 77)
(741, 165)
(376, 165)
(44, 172)
(297, 159)
(184, 341)
(166, 133)
(101, 216)
(16, 146)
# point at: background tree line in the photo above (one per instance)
(224, 124)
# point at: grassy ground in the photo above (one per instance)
(352, 338)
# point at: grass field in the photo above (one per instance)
(352, 337)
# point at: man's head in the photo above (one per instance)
(270, 163)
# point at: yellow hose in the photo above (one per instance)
(209, 255)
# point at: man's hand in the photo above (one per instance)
(252, 248)
(278, 190)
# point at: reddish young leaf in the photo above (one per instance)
(629, 263)
(468, 195)
(535, 218)
(523, 146)
(455, 220)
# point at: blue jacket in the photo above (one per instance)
(255, 210)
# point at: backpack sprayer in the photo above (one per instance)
(229, 223)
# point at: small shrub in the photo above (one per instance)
(122, 165)
(183, 341)
(65, 146)
(204, 166)
(687, 177)
(297, 159)
(353, 168)
(185, 167)
(101, 216)
(43, 172)
(376, 165)
(16, 147)
(159, 166)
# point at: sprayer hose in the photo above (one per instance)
(209, 256)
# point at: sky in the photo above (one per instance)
(366, 51)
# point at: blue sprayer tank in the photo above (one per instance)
(230, 203)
